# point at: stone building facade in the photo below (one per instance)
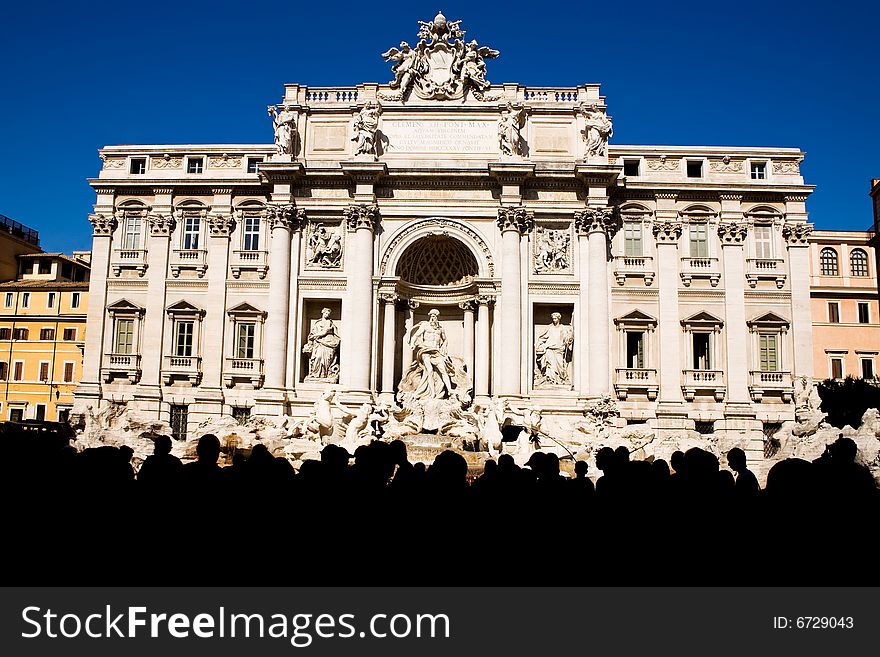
(680, 275)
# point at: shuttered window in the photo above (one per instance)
(124, 336)
(699, 234)
(632, 238)
(769, 353)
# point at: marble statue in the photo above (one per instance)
(598, 129)
(552, 251)
(320, 425)
(357, 430)
(509, 126)
(324, 246)
(366, 125)
(322, 346)
(285, 129)
(553, 352)
(408, 65)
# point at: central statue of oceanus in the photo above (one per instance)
(442, 66)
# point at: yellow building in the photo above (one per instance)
(42, 334)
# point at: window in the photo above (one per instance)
(699, 234)
(132, 237)
(864, 312)
(9, 299)
(694, 168)
(16, 414)
(44, 266)
(40, 414)
(25, 299)
(630, 167)
(138, 166)
(244, 340)
(4, 371)
(68, 372)
(63, 414)
(764, 242)
(47, 334)
(69, 334)
(632, 238)
(833, 312)
(702, 359)
(828, 262)
(44, 371)
(20, 334)
(635, 350)
(759, 170)
(191, 232)
(18, 370)
(241, 414)
(124, 336)
(253, 164)
(858, 260)
(74, 300)
(769, 358)
(5, 333)
(183, 338)
(50, 300)
(178, 421)
(837, 368)
(194, 165)
(251, 234)
(867, 368)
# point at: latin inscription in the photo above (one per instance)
(441, 136)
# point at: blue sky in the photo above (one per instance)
(76, 76)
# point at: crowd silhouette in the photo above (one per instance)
(258, 519)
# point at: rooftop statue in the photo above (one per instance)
(442, 66)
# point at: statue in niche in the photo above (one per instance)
(285, 129)
(597, 131)
(509, 126)
(324, 247)
(553, 352)
(433, 374)
(552, 251)
(366, 125)
(322, 346)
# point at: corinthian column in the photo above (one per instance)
(361, 220)
(733, 236)
(219, 228)
(512, 222)
(481, 348)
(388, 351)
(667, 234)
(797, 239)
(161, 227)
(102, 227)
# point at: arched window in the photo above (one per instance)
(828, 262)
(858, 261)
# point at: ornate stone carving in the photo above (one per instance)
(433, 374)
(166, 162)
(517, 218)
(552, 250)
(662, 163)
(361, 216)
(668, 232)
(733, 232)
(787, 167)
(284, 123)
(324, 246)
(285, 216)
(224, 162)
(797, 234)
(446, 225)
(113, 162)
(101, 225)
(553, 345)
(366, 127)
(441, 66)
(726, 165)
(591, 220)
(470, 305)
(510, 140)
(598, 129)
(220, 225)
(322, 346)
(161, 225)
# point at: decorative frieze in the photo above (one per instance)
(797, 234)
(224, 162)
(787, 167)
(515, 218)
(732, 232)
(113, 162)
(552, 253)
(662, 163)
(726, 165)
(324, 246)
(101, 225)
(167, 161)
(361, 215)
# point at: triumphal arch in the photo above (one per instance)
(444, 255)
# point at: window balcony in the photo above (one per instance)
(249, 260)
(188, 368)
(703, 381)
(249, 370)
(773, 383)
(129, 259)
(643, 381)
(771, 269)
(196, 259)
(126, 366)
(634, 266)
(692, 268)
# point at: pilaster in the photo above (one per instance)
(797, 242)
(361, 221)
(513, 222)
(667, 235)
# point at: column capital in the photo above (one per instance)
(470, 304)
(361, 215)
(161, 225)
(667, 232)
(388, 297)
(515, 218)
(797, 234)
(220, 225)
(412, 304)
(284, 216)
(101, 225)
(484, 299)
(593, 220)
(732, 232)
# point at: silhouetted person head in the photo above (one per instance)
(736, 459)
(677, 461)
(844, 450)
(605, 459)
(580, 469)
(208, 449)
(622, 455)
(398, 452)
(490, 467)
(161, 445)
(126, 453)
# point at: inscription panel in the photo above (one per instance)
(427, 136)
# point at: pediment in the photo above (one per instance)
(636, 317)
(124, 306)
(183, 307)
(768, 319)
(245, 308)
(704, 318)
